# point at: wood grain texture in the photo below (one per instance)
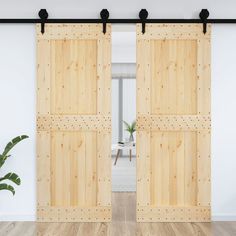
(173, 108)
(73, 123)
(70, 122)
(73, 62)
(173, 31)
(43, 174)
(173, 89)
(174, 122)
(73, 31)
(73, 169)
(123, 224)
(43, 77)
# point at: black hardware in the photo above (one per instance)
(104, 15)
(44, 19)
(143, 14)
(113, 21)
(43, 14)
(204, 14)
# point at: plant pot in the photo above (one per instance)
(131, 138)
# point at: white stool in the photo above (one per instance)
(125, 147)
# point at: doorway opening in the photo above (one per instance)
(123, 109)
(124, 120)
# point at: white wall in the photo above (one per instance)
(17, 92)
(118, 9)
(17, 116)
(224, 121)
(124, 46)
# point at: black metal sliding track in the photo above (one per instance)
(117, 21)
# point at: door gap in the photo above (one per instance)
(123, 109)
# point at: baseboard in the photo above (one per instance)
(223, 217)
(14, 217)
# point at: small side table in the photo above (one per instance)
(125, 147)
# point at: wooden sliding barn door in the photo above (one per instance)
(173, 123)
(73, 123)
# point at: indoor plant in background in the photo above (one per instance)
(3, 157)
(131, 128)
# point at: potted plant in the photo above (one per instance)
(13, 177)
(131, 128)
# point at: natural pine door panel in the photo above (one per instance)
(173, 123)
(73, 156)
(174, 167)
(74, 123)
(67, 93)
(173, 89)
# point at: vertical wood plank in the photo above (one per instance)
(91, 168)
(156, 168)
(81, 156)
(165, 159)
(43, 137)
(204, 108)
(43, 170)
(143, 103)
(104, 168)
(204, 168)
(104, 108)
(60, 163)
(204, 77)
(65, 185)
(74, 170)
(171, 76)
(180, 77)
(143, 78)
(43, 77)
(104, 74)
(143, 168)
(157, 77)
(180, 172)
(190, 76)
(172, 168)
(190, 142)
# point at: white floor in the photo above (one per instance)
(124, 175)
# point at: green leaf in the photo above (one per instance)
(130, 128)
(133, 126)
(12, 177)
(11, 144)
(7, 187)
(3, 159)
(126, 125)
